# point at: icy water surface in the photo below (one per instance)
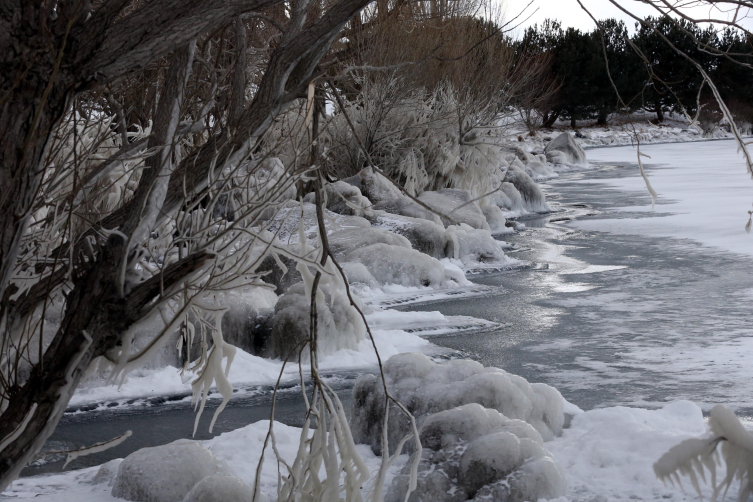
(607, 319)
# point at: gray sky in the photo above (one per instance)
(571, 14)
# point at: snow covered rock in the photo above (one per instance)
(166, 473)
(426, 387)
(222, 488)
(456, 204)
(339, 325)
(349, 239)
(247, 327)
(533, 198)
(399, 265)
(107, 472)
(471, 452)
(342, 198)
(282, 279)
(406, 206)
(425, 236)
(564, 150)
(374, 186)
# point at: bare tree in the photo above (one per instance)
(102, 223)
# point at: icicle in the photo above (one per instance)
(645, 178)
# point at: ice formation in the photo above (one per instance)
(426, 387)
(406, 206)
(374, 186)
(457, 205)
(339, 325)
(343, 198)
(474, 453)
(473, 246)
(222, 488)
(496, 219)
(399, 265)
(564, 150)
(425, 236)
(532, 197)
(344, 241)
(166, 473)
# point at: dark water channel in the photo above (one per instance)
(608, 320)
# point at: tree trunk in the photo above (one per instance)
(659, 114)
(602, 118)
(573, 124)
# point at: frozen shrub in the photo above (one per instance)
(399, 265)
(426, 387)
(338, 323)
(455, 204)
(222, 488)
(166, 473)
(286, 222)
(564, 150)
(508, 199)
(357, 273)
(539, 170)
(471, 452)
(533, 198)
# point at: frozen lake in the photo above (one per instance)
(621, 307)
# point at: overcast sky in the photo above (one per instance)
(571, 14)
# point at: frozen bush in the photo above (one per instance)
(399, 265)
(425, 236)
(222, 488)
(471, 452)
(166, 473)
(357, 273)
(426, 387)
(339, 325)
(405, 206)
(564, 150)
(456, 204)
(344, 241)
(533, 198)
(539, 170)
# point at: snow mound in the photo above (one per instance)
(166, 473)
(339, 326)
(426, 387)
(425, 236)
(349, 239)
(222, 488)
(399, 265)
(406, 206)
(471, 452)
(532, 197)
(374, 186)
(564, 150)
(456, 204)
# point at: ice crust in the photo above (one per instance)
(166, 473)
(426, 387)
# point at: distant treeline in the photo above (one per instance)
(646, 71)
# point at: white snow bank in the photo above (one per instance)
(426, 387)
(705, 186)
